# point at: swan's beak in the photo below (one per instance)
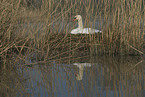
(76, 74)
(75, 19)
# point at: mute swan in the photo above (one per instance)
(80, 29)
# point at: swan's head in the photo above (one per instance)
(78, 17)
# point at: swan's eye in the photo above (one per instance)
(75, 18)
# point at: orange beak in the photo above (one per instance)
(75, 74)
(75, 19)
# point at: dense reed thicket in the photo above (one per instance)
(43, 27)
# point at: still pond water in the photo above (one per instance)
(83, 77)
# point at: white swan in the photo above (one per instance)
(81, 30)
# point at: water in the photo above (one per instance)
(85, 77)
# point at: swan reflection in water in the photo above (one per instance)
(81, 66)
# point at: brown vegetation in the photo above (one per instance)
(44, 27)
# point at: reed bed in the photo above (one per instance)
(43, 27)
(38, 31)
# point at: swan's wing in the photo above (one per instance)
(90, 31)
(84, 31)
(75, 31)
(96, 31)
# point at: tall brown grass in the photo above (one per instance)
(44, 27)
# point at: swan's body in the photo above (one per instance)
(81, 30)
(84, 31)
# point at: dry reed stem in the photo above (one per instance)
(135, 49)
(9, 46)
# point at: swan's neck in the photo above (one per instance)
(80, 24)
